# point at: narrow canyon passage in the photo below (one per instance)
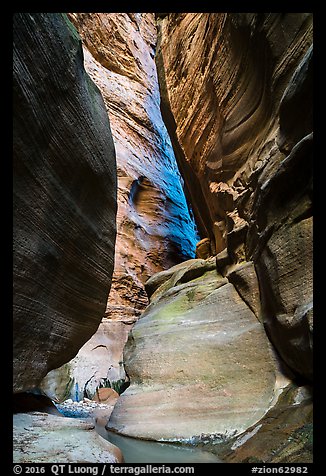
(179, 172)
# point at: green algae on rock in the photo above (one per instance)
(199, 362)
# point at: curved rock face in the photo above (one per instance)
(284, 434)
(236, 98)
(64, 198)
(199, 361)
(98, 363)
(155, 229)
(282, 251)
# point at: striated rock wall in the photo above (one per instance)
(237, 100)
(64, 198)
(155, 229)
(236, 97)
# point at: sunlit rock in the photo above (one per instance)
(199, 361)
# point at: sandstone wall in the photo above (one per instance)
(64, 198)
(237, 100)
(155, 228)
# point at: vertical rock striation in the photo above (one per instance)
(155, 229)
(236, 97)
(64, 198)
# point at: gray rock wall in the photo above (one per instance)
(64, 197)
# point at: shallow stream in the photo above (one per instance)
(142, 451)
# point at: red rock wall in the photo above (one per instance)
(154, 227)
(237, 100)
(155, 230)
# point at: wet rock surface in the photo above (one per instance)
(86, 408)
(43, 438)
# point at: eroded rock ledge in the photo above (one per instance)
(43, 438)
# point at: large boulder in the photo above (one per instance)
(198, 359)
(64, 197)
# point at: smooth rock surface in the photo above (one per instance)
(244, 279)
(64, 198)
(98, 363)
(43, 438)
(283, 434)
(106, 395)
(282, 249)
(189, 270)
(199, 363)
(298, 94)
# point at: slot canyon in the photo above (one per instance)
(162, 237)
